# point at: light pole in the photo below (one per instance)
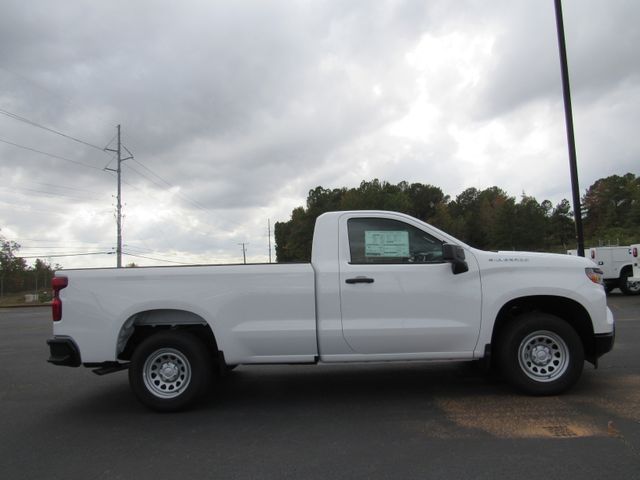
(568, 114)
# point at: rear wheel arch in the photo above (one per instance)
(140, 326)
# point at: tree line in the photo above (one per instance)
(488, 219)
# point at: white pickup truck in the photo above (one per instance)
(381, 286)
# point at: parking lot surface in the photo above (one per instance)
(396, 421)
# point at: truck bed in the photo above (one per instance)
(255, 310)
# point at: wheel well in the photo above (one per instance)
(626, 269)
(142, 325)
(569, 310)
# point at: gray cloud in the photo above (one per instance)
(242, 107)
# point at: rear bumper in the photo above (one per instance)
(64, 352)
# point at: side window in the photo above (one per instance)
(382, 240)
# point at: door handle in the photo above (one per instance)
(359, 280)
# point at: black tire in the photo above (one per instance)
(624, 283)
(540, 354)
(188, 370)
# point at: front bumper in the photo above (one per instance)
(64, 351)
(603, 343)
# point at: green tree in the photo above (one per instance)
(17, 276)
(488, 219)
(424, 200)
(293, 238)
(477, 213)
(10, 266)
(612, 206)
(562, 230)
(530, 226)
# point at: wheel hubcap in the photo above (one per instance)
(167, 373)
(543, 356)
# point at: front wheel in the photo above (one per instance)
(541, 354)
(170, 371)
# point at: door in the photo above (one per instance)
(399, 296)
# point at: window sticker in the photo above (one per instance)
(386, 243)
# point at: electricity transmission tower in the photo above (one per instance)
(118, 170)
(244, 252)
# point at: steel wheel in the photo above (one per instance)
(540, 354)
(167, 373)
(626, 287)
(543, 356)
(171, 370)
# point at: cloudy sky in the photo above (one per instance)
(235, 110)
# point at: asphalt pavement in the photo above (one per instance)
(378, 421)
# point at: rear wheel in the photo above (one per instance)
(541, 354)
(170, 371)
(626, 287)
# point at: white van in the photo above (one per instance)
(616, 263)
(635, 278)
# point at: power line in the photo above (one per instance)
(52, 155)
(151, 171)
(20, 118)
(62, 187)
(137, 249)
(54, 194)
(67, 255)
(59, 247)
(169, 184)
(156, 259)
(145, 176)
(111, 141)
(193, 202)
(30, 210)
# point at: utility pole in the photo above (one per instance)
(244, 252)
(269, 233)
(118, 170)
(568, 114)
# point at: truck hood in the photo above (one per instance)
(523, 260)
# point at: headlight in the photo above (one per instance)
(595, 275)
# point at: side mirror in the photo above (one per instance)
(454, 254)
